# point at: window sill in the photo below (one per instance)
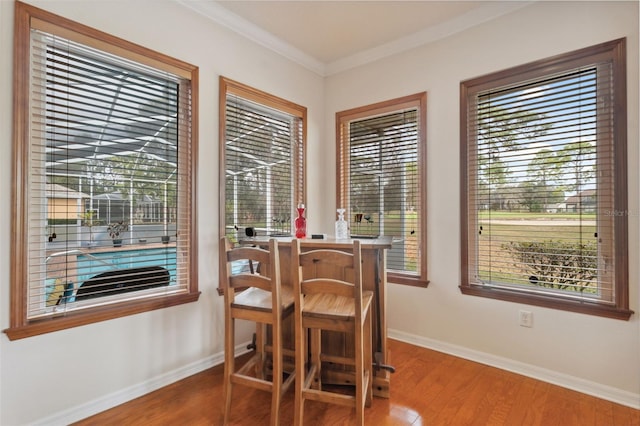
(97, 314)
(582, 307)
(411, 280)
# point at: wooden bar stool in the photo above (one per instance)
(327, 288)
(258, 297)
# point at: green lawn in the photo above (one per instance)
(524, 232)
(495, 237)
(533, 216)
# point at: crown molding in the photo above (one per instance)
(212, 10)
(480, 15)
(217, 13)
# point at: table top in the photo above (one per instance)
(330, 242)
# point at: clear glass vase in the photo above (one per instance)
(342, 228)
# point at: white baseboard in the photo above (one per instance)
(74, 414)
(598, 390)
(96, 406)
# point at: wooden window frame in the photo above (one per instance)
(228, 86)
(615, 52)
(418, 100)
(26, 17)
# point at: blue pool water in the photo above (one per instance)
(96, 263)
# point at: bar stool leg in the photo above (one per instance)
(316, 364)
(368, 360)
(277, 371)
(360, 378)
(262, 358)
(301, 354)
(229, 367)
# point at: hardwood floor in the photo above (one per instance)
(428, 388)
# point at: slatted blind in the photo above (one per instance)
(264, 167)
(109, 160)
(540, 166)
(379, 164)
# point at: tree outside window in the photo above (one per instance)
(543, 160)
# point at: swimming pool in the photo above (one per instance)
(90, 265)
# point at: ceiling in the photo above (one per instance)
(332, 36)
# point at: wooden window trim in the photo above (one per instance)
(416, 100)
(616, 51)
(26, 17)
(229, 86)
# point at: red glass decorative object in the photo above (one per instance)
(301, 223)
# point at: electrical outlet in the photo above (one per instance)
(526, 319)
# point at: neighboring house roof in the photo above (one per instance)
(55, 190)
(585, 196)
(117, 196)
(111, 196)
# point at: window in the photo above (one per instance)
(544, 195)
(262, 148)
(103, 210)
(381, 157)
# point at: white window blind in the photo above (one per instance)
(264, 167)
(109, 172)
(381, 173)
(544, 166)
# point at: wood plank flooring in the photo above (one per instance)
(428, 388)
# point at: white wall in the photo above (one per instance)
(59, 377)
(593, 354)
